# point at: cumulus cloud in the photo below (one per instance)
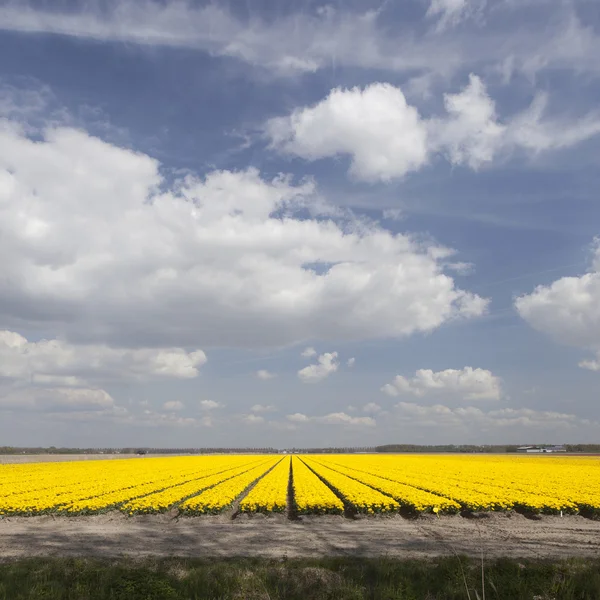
(327, 364)
(350, 362)
(173, 405)
(308, 352)
(258, 408)
(265, 375)
(386, 138)
(470, 133)
(252, 419)
(468, 383)
(371, 407)
(382, 133)
(210, 405)
(58, 362)
(109, 253)
(591, 365)
(338, 418)
(297, 418)
(568, 310)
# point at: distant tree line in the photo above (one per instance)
(474, 449)
(200, 450)
(346, 450)
(463, 448)
(451, 448)
(55, 450)
(582, 447)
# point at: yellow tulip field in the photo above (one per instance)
(305, 484)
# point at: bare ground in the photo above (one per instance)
(113, 535)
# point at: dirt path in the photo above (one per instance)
(162, 535)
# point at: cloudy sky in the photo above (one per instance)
(294, 224)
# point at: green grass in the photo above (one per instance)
(304, 579)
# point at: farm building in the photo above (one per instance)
(539, 449)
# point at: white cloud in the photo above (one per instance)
(298, 43)
(371, 407)
(57, 399)
(595, 252)
(297, 418)
(386, 138)
(468, 383)
(439, 415)
(173, 405)
(253, 419)
(470, 134)
(341, 418)
(568, 310)
(105, 258)
(392, 214)
(265, 375)
(258, 408)
(308, 352)
(326, 365)
(210, 405)
(350, 362)
(304, 40)
(150, 418)
(592, 365)
(451, 12)
(338, 418)
(58, 362)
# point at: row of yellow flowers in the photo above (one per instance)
(165, 499)
(535, 484)
(410, 497)
(222, 496)
(320, 484)
(270, 493)
(311, 495)
(363, 498)
(90, 487)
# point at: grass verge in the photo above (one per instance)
(302, 579)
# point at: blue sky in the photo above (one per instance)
(192, 195)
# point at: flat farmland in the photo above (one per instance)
(304, 484)
(302, 505)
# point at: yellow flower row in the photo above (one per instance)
(371, 483)
(222, 496)
(165, 499)
(538, 484)
(408, 496)
(270, 493)
(311, 495)
(88, 487)
(362, 497)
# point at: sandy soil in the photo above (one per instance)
(114, 534)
